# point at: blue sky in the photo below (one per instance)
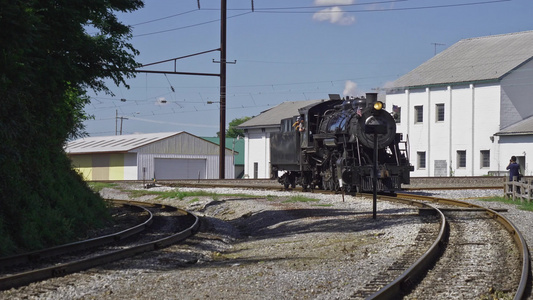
(284, 50)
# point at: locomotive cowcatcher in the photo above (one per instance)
(330, 146)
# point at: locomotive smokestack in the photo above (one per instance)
(371, 98)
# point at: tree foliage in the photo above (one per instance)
(233, 132)
(51, 53)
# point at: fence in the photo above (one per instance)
(522, 190)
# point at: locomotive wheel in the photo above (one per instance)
(286, 181)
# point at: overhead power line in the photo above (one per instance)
(294, 10)
(190, 26)
(164, 18)
(316, 6)
(283, 11)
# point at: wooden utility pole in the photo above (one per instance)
(222, 144)
(222, 75)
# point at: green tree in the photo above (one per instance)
(232, 132)
(51, 53)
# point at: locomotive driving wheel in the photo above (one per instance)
(327, 180)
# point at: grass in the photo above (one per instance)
(180, 195)
(520, 205)
(98, 186)
(300, 198)
(177, 194)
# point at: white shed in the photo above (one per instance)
(171, 155)
(455, 108)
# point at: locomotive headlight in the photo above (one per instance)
(378, 105)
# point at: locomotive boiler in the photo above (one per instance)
(332, 146)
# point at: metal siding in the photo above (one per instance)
(179, 168)
(116, 167)
(212, 165)
(101, 167)
(84, 165)
(130, 166)
(183, 144)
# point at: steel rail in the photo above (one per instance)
(268, 184)
(76, 266)
(508, 225)
(405, 281)
(81, 245)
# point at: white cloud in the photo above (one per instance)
(350, 88)
(334, 15)
(333, 2)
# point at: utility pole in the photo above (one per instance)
(222, 144)
(222, 75)
(437, 44)
(122, 120)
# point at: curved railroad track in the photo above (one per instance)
(159, 226)
(403, 274)
(476, 251)
(464, 262)
(409, 276)
(477, 259)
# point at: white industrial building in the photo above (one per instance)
(467, 110)
(464, 112)
(169, 155)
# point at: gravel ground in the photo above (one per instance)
(263, 248)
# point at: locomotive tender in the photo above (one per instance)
(334, 147)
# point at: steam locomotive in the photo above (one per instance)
(332, 145)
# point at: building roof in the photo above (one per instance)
(487, 58)
(115, 143)
(239, 147)
(273, 116)
(524, 127)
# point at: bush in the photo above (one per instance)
(41, 210)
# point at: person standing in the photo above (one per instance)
(514, 169)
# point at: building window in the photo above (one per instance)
(485, 158)
(419, 114)
(461, 158)
(439, 112)
(421, 160)
(397, 113)
(256, 170)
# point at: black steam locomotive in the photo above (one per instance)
(331, 145)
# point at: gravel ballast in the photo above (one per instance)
(262, 248)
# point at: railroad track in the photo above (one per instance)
(465, 264)
(478, 257)
(404, 275)
(160, 227)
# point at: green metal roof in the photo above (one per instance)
(239, 147)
